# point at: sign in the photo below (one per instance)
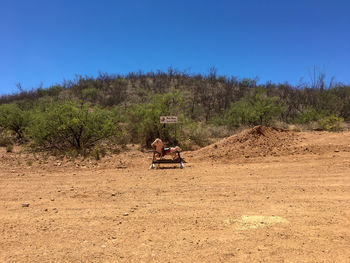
(168, 119)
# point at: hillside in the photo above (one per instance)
(85, 113)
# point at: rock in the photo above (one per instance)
(25, 205)
(59, 190)
(113, 194)
(52, 199)
(336, 150)
(125, 214)
(103, 246)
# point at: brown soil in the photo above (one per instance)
(288, 202)
(262, 141)
(259, 141)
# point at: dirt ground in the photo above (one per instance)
(247, 199)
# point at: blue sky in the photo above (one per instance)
(47, 41)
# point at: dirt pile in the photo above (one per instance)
(259, 141)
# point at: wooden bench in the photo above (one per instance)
(162, 160)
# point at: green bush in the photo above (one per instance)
(240, 112)
(9, 148)
(265, 109)
(67, 125)
(218, 131)
(310, 115)
(14, 119)
(254, 109)
(143, 120)
(330, 123)
(90, 94)
(5, 140)
(96, 154)
(199, 135)
(307, 116)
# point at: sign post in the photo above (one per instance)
(169, 119)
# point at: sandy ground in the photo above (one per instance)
(116, 210)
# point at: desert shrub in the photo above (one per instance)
(218, 131)
(143, 120)
(9, 148)
(67, 125)
(240, 112)
(90, 94)
(308, 115)
(5, 140)
(265, 109)
(96, 154)
(219, 120)
(53, 91)
(143, 123)
(256, 108)
(123, 136)
(200, 135)
(14, 119)
(331, 123)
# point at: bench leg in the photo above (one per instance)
(182, 165)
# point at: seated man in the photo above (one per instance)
(159, 146)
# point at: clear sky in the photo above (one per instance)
(47, 41)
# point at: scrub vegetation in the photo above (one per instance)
(84, 113)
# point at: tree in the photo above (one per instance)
(143, 119)
(265, 109)
(68, 125)
(14, 119)
(256, 108)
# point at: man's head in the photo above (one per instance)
(158, 144)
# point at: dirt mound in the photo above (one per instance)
(257, 142)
